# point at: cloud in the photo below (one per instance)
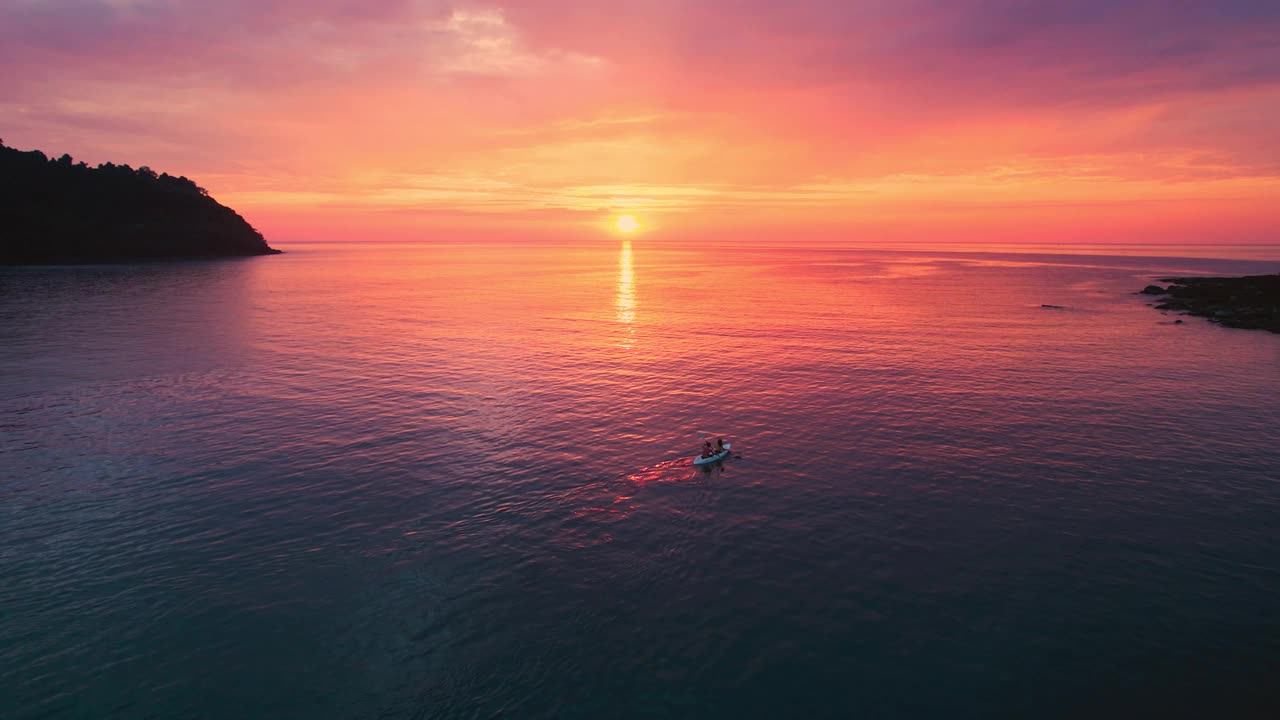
(949, 53)
(481, 42)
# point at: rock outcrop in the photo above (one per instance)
(1251, 302)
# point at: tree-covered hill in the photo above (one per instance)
(61, 211)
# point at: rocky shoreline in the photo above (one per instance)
(1251, 302)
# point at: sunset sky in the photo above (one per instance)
(951, 120)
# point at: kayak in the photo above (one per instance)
(714, 458)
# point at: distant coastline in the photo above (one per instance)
(1251, 302)
(58, 211)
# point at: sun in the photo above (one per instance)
(626, 224)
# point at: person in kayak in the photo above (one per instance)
(719, 445)
(706, 449)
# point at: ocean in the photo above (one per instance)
(452, 481)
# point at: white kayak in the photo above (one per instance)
(714, 458)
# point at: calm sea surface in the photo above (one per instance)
(397, 481)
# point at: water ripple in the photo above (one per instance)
(428, 481)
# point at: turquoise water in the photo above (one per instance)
(454, 482)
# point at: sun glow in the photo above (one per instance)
(626, 224)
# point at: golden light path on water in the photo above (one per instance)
(625, 301)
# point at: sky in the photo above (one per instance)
(863, 120)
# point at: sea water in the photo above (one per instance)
(450, 481)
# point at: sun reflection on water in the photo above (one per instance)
(625, 300)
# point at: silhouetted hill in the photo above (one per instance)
(60, 211)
